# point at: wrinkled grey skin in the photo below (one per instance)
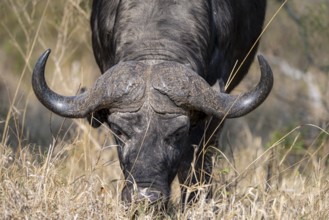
(160, 62)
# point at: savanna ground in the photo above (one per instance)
(272, 164)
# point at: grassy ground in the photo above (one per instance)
(273, 164)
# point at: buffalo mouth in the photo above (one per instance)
(144, 194)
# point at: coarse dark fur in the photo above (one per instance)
(210, 36)
(207, 36)
(164, 65)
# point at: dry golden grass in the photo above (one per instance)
(257, 184)
(74, 173)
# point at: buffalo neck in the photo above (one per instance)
(173, 31)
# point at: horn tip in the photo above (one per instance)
(261, 59)
(46, 53)
(265, 67)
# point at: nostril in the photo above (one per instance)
(149, 194)
(141, 194)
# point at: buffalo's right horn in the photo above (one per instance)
(203, 98)
(67, 106)
(186, 88)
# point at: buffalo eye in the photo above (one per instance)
(176, 137)
(119, 134)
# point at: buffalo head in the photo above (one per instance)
(150, 108)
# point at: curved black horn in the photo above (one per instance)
(67, 106)
(249, 101)
(203, 98)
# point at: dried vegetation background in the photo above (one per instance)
(272, 164)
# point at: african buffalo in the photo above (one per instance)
(164, 65)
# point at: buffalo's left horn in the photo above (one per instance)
(67, 106)
(203, 98)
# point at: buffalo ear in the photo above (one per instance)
(97, 118)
